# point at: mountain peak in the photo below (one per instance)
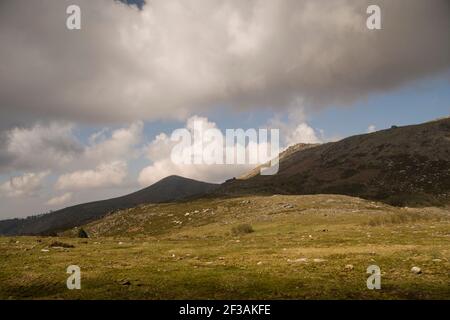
(169, 189)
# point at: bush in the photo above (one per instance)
(402, 218)
(61, 244)
(82, 234)
(242, 229)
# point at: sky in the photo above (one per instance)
(88, 114)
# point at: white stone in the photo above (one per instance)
(349, 267)
(416, 270)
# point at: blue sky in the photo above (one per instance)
(417, 102)
(139, 3)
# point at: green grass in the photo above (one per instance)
(201, 258)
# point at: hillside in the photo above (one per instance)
(301, 247)
(171, 188)
(402, 166)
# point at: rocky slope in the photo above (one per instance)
(402, 166)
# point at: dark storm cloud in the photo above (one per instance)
(174, 58)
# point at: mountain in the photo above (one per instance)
(401, 166)
(407, 165)
(169, 189)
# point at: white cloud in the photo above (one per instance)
(295, 128)
(121, 143)
(303, 133)
(60, 200)
(105, 175)
(55, 147)
(39, 147)
(25, 185)
(160, 149)
(371, 128)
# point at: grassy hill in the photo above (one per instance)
(301, 247)
(171, 188)
(401, 166)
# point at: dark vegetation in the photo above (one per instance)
(241, 229)
(82, 234)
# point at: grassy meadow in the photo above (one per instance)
(274, 247)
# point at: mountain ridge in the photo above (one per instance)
(406, 165)
(168, 189)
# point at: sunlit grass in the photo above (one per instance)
(294, 253)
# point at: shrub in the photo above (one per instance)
(61, 244)
(242, 229)
(82, 233)
(402, 218)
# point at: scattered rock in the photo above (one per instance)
(125, 282)
(416, 270)
(297, 260)
(349, 267)
(287, 206)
